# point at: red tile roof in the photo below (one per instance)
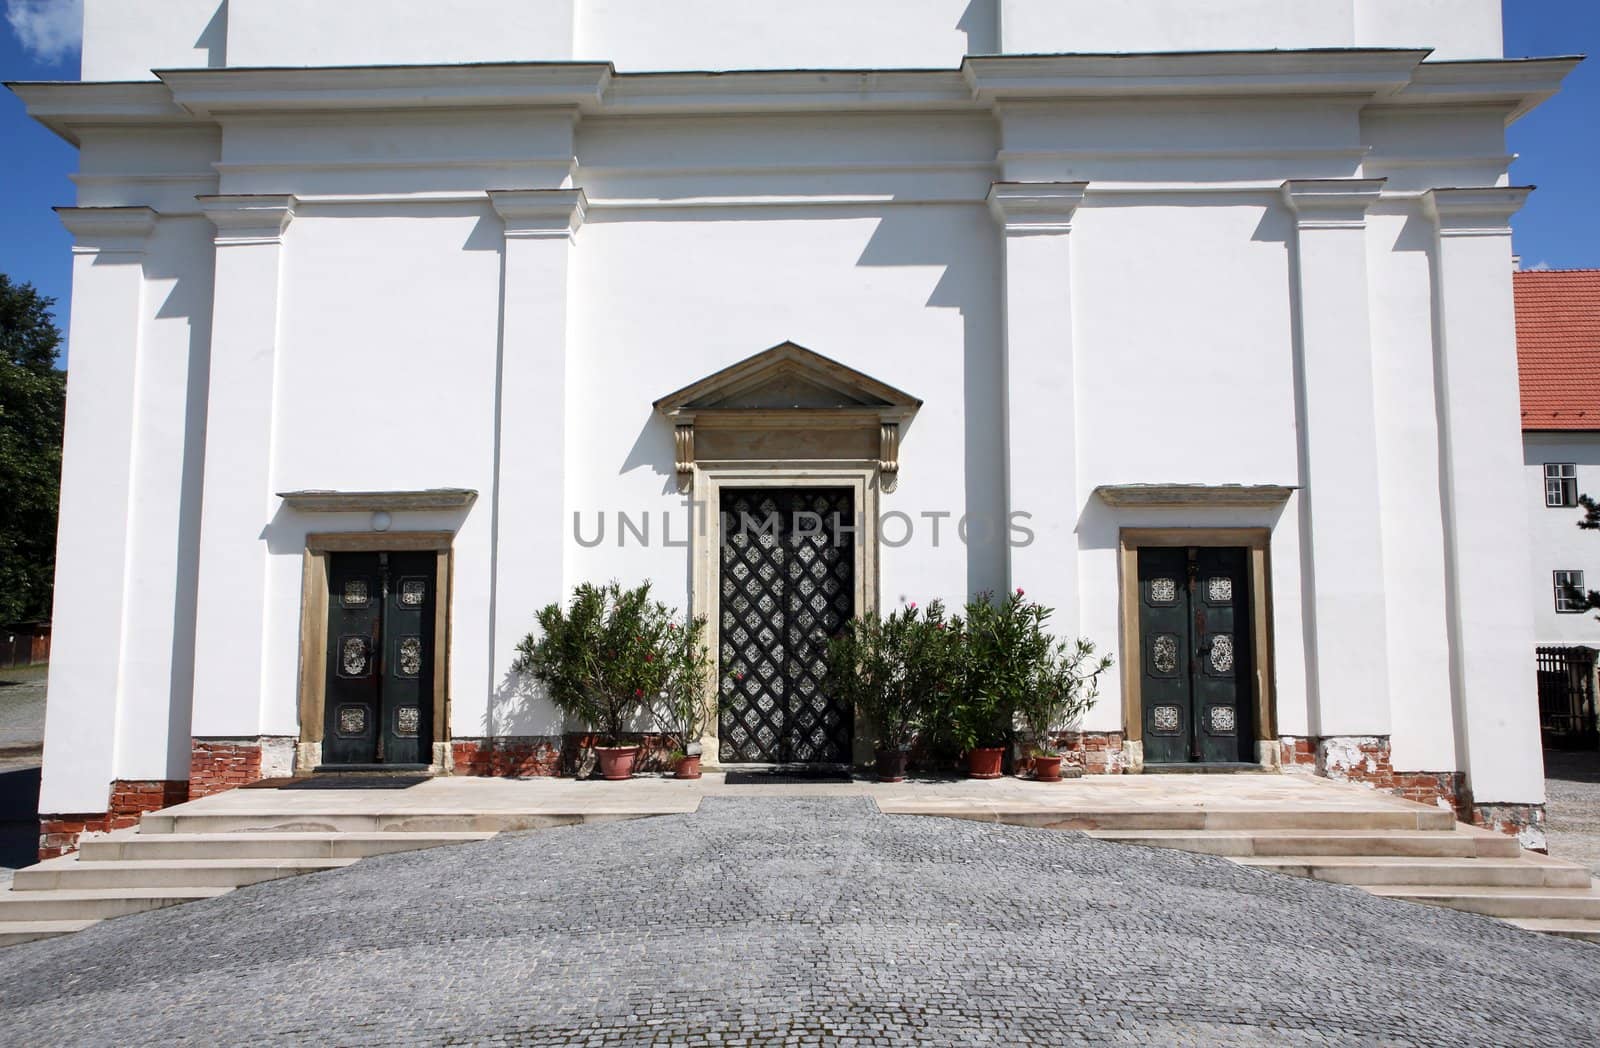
(1558, 348)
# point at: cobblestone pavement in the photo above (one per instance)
(800, 922)
(1572, 805)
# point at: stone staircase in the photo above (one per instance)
(1422, 856)
(153, 866)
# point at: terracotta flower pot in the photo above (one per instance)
(687, 768)
(616, 762)
(892, 765)
(984, 763)
(1047, 769)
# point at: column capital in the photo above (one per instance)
(539, 214)
(108, 230)
(249, 218)
(1036, 207)
(1332, 203)
(1479, 212)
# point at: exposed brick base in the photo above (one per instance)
(1524, 821)
(216, 765)
(539, 756)
(130, 798)
(511, 757)
(1096, 752)
(1366, 759)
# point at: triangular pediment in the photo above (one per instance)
(787, 377)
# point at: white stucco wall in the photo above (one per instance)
(126, 39)
(1558, 543)
(356, 323)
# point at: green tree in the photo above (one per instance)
(33, 397)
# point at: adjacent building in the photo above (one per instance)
(1558, 350)
(393, 321)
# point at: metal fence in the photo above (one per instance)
(1567, 711)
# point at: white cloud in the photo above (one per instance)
(1539, 268)
(49, 29)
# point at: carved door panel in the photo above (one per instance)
(379, 692)
(787, 586)
(1196, 658)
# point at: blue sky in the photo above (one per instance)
(1558, 143)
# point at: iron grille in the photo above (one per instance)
(788, 585)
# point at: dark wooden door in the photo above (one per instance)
(379, 696)
(1195, 672)
(787, 586)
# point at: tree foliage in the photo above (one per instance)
(33, 397)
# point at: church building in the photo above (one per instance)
(394, 320)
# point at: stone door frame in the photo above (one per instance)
(314, 632)
(1258, 564)
(710, 478)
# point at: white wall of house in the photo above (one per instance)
(1558, 543)
(126, 39)
(360, 324)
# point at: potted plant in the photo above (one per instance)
(1004, 644)
(598, 659)
(683, 713)
(1061, 691)
(894, 671)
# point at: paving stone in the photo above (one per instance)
(800, 922)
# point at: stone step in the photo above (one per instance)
(1460, 842)
(1413, 818)
(1571, 903)
(71, 872)
(1569, 927)
(1364, 870)
(13, 933)
(130, 844)
(58, 904)
(177, 820)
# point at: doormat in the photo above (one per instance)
(355, 782)
(786, 776)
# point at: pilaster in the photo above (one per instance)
(1040, 409)
(529, 534)
(107, 321)
(1486, 525)
(1340, 512)
(238, 501)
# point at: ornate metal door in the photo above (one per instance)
(787, 586)
(1195, 673)
(379, 694)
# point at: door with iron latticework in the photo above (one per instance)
(379, 693)
(1195, 673)
(787, 586)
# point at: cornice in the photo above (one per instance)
(1036, 207)
(215, 92)
(1475, 212)
(374, 501)
(108, 230)
(68, 108)
(1183, 495)
(1332, 203)
(789, 90)
(1357, 72)
(535, 214)
(1516, 84)
(249, 219)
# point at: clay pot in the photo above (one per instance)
(616, 762)
(1047, 769)
(892, 765)
(984, 763)
(687, 768)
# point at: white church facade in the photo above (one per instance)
(389, 326)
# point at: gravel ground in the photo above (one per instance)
(800, 922)
(1572, 805)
